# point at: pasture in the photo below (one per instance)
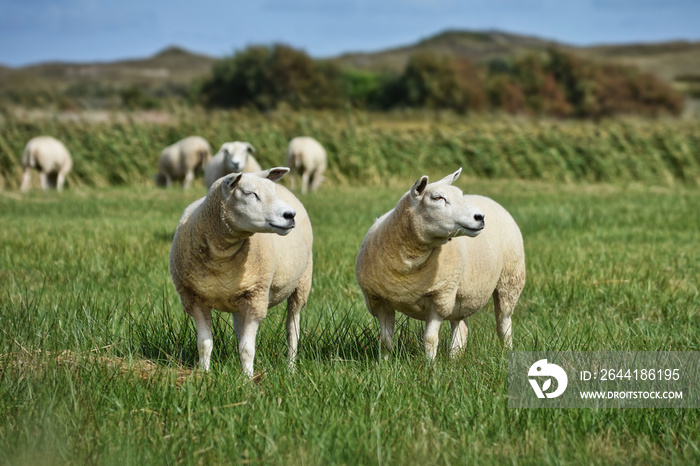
(98, 361)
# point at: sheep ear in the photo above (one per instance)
(419, 186)
(251, 149)
(449, 179)
(229, 183)
(274, 174)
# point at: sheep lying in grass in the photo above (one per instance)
(49, 156)
(222, 258)
(180, 160)
(439, 255)
(233, 157)
(307, 157)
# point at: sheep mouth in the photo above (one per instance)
(285, 228)
(469, 231)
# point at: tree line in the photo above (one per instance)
(553, 82)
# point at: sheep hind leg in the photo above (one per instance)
(205, 340)
(295, 303)
(44, 179)
(387, 320)
(460, 330)
(504, 303)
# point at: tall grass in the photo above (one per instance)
(365, 148)
(98, 361)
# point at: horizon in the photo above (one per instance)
(90, 31)
(171, 46)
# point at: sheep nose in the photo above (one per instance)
(289, 215)
(479, 217)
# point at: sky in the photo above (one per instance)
(33, 31)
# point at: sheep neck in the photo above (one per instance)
(224, 240)
(405, 241)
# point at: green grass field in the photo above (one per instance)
(98, 361)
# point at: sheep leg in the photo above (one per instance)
(295, 303)
(205, 341)
(316, 180)
(387, 320)
(292, 178)
(431, 336)
(460, 330)
(44, 178)
(304, 182)
(26, 179)
(189, 177)
(168, 181)
(60, 179)
(504, 303)
(246, 341)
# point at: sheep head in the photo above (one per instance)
(236, 155)
(442, 211)
(251, 203)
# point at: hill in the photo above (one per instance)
(675, 62)
(476, 46)
(171, 66)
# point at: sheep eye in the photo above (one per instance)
(439, 198)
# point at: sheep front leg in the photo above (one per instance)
(26, 179)
(316, 180)
(247, 333)
(60, 180)
(431, 336)
(205, 341)
(460, 330)
(189, 177)
(304, 182)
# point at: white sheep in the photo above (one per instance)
(224, 258)
(48, 155)
(439, 255)
(180, 160)
(306, 157)
(233, 157)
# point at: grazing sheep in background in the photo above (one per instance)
(307, 157)
(233, 157)
(416, 259)
(180, 160)
(48, 155)
(224, 258)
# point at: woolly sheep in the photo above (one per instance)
(179, 161)
(49, 156)
(439, 255)
(223, 258)
(307, 157)
(233, 157)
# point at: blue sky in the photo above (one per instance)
(34, 31)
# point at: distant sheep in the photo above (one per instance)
(233, 157)
(440, 255)
(49, 156)
(306, 157)
(224, 258)
(180, 160)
